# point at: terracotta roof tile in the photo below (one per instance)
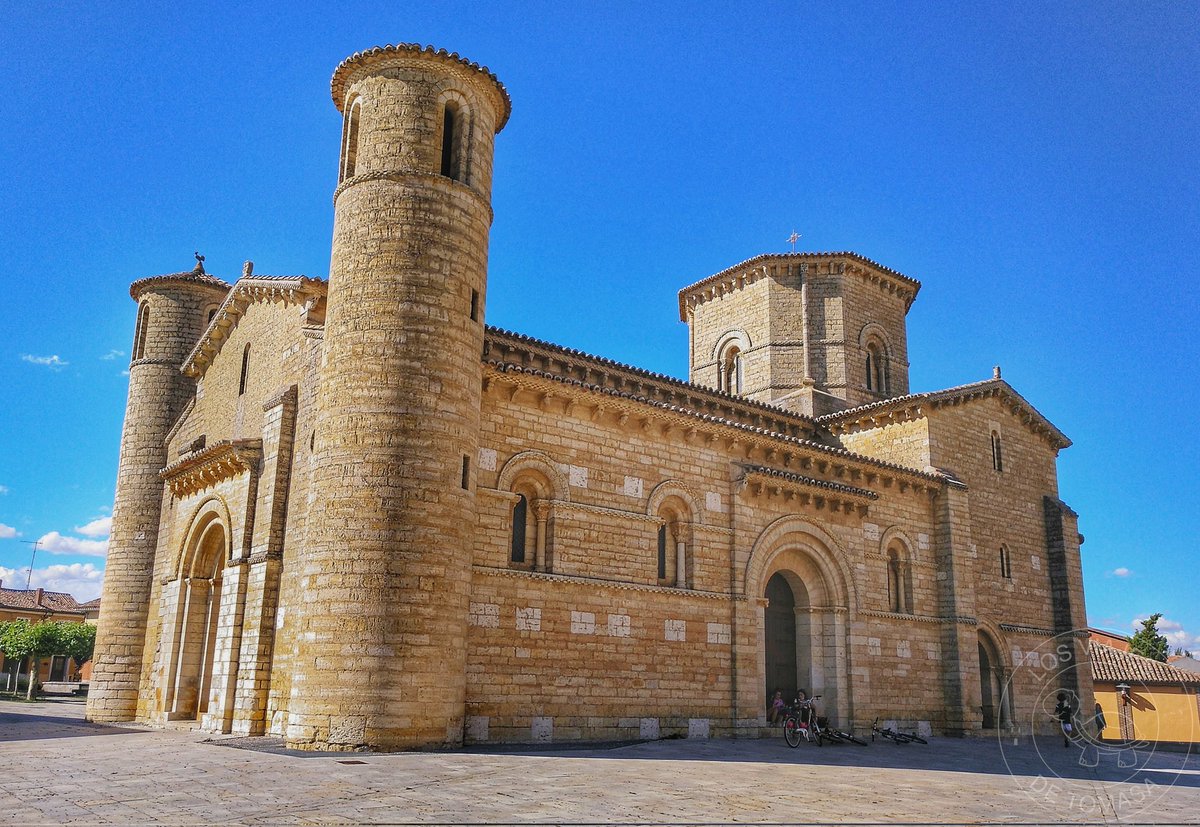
(337, 85)
(1114, 666)
(27, 599)
(983, 388)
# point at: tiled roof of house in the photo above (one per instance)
(1114, 666)
(27, 599)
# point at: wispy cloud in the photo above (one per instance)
(7, 532)
(53, 362)
(80, 580)
(99, 527)
(112, 354)
(1121, 572)
(3, 489)
(56, 543)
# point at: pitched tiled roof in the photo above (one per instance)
(27, 599)
(714, 281)
(337, 86)
(959, 393)
(190, 277)
(1114, 666)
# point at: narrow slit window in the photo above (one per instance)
(245, 370)
(139, 333)
(474, 305)
(350, 147)
(662, 552)
(1005, 563)
(520, 516)
(997, 452)
(466, 473)
(449, 139)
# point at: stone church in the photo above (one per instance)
(351, 514)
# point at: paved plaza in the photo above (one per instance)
(60, 770)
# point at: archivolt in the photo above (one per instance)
(212, 510)
(541, 463)
(674, 488)
(815, 544)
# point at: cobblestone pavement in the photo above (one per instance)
(57, 769)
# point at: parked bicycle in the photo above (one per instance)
(802, 724)
(841, 736)
(894, 736)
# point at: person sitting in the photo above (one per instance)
(778, 707)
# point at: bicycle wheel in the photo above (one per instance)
(791, 731)
(855, 740)
(918, 739)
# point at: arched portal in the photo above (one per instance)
(797, 570)
(197, 619)
(993, 689)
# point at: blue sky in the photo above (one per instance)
(1034, 165)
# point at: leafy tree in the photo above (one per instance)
(16, 639)
(1147, 642)
(78, 641)
(22, 639)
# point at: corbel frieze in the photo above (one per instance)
(224, 460)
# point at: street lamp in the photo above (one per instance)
(1123, 689)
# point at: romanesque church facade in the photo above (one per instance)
(351, 514)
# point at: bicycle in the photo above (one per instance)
(894, 736)
(841, 735)
(800, 724)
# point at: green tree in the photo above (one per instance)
(1147, 642)
(16, 639)
(78, 642)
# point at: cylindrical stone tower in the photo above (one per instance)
(386, 564)
(172, 313)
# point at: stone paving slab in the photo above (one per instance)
(57, 769)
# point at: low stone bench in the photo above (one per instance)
(60, 688)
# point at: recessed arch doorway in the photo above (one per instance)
(804, 607)
(197, 619)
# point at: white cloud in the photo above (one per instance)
(99, 527)
(56, 543)
(112, 354)
(1121, 572)
(52, 362)
(3, 489)
(7, 531)
(80, 580)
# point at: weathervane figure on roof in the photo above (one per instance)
(793, 238)
(199, 262)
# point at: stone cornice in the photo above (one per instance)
(1021, 628)
(769, 264)
(595, 582)
(692, 424)
(222, 461)
(918, 405)
(378, 56)
(567, 364)
(298, 290)
(903, 616)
